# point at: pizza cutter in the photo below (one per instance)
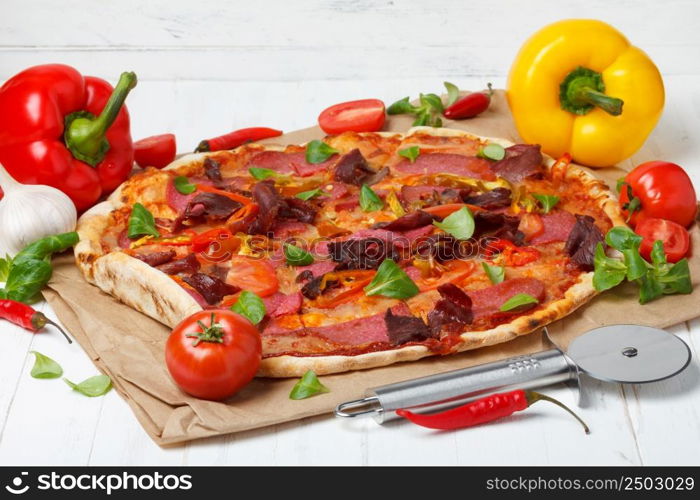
(628, 354)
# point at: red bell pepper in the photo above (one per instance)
(67, 131)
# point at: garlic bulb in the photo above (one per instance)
(29, 212)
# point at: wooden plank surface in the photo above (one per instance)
(206, 70)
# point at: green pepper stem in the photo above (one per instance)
(587, 95)
(533, 397)
(85, 134)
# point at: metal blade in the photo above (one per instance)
(629, 354)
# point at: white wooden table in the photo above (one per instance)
(209, 67)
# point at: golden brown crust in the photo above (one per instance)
(154, 293)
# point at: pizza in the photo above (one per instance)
(365, 249)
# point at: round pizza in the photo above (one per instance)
(358, 251)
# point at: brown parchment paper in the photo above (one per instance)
(128, 346)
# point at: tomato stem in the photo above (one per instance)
(212, 333)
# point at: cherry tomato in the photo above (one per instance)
(365, 115)
(212, 354)
(674, 236)
(531, 225)
(254, 275)
(156, 151)
(661, 190)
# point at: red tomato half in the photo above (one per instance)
(664, 191)
(254, 275)
(156, 151)
(365, 115)
(675, 238)
(219, 358)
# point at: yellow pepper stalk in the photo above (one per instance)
(578, 86)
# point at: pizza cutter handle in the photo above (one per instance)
(446, 390)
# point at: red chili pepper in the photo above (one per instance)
(27, 317)
(67, 131)
(483, 410)
(470, 105)
(237, 138)
(156, 151)
(512, 254)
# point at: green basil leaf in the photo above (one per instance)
(410, 153)
(622, 238)
(307, 386)
(141, 222)
(608, 272)
(92, 387)
(658, 255)
(313, 193)
(421, 119)
(636, 265)
(492, 151)
(264, 173)
(297, 256)
(369, 201)
(183, 185)
(318, 152)
(519, 302)
(5, 265)
(45, 247)
(432, 102)
(435, 121)
(391, 281)
(649, 289)
(677, 279)
(26, 280)
(459, 224)
(251, 306)
(401, 106)
(45, 367)
(495, 273)
(547, 201)
(452, 93)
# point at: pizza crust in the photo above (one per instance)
(154, 293)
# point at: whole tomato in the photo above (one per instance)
(660, 190)
(212, 354)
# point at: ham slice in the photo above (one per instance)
(360, 331)
(487, 301)
(289, 163)
(447, 163)
(176, 200)
(557, 227)
(280, 304)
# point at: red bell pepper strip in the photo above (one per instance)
(484, 410)
(233, 196)
(512, 255)
(27, 317)
(237, 138)
(470, 105)
(67, 131)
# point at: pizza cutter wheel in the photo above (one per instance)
(630, 354)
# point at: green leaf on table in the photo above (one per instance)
(391, 281)
(307, 386)
(627, 242)
(297, 256)
(432, 102)
(92, 387)
(519, 302)
(251, 306)
(45, 367)
(411, 153)
(608, 272)
(452, 93)
(183, 185)
(401, 106)
(141, 222)
(312, 193)
(459, 224)
(43, 248)
(547, 201)
(495, 273)
(26, 280)
(369, 201)
(492, 151)
(318, 152)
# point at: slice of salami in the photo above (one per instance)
(289, 163)
(489, 300)
(360, 331)
(557, 227)
(280, 304)
(447, 163)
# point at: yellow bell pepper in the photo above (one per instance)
(578, 86)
